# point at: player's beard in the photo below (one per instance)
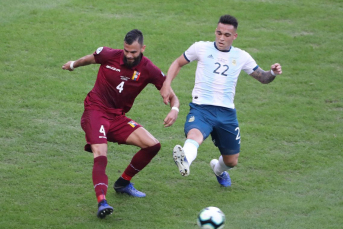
(134, 63)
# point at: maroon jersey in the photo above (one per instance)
(117, 86)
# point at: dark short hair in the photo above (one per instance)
(228, 20)
(134, 35)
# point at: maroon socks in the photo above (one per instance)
(100, 179)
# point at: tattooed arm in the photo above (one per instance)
(267, 76)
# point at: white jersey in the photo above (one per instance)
(217, 72)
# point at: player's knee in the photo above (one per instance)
(230, 161)
(99, 150)
(157, 146)
(195, 135)
(154, 148)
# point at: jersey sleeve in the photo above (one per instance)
(102, 54)
(250, 64)
(157, 76)
(191, 53)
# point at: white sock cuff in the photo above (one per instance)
(192, 142)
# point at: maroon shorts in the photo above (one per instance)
(101, 127)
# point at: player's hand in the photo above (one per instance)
(66, 66)
(171, 118)
(276, 68)
(165, 93)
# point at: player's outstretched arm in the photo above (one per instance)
(267, 76)
(172, 73)
(86, 60)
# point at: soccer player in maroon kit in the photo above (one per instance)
(122, 75)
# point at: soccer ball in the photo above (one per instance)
(211, 218)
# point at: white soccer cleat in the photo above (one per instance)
(181, 160)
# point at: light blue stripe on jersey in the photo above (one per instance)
(217, 73)
(209, 95)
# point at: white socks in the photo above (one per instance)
(191, 150)
(220, 167)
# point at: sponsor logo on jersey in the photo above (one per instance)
(99, 50)
(136, 75)
(223, 60)
(191, 119)
(113, 68)
(132, 123)
(124, 78)
(210, 56)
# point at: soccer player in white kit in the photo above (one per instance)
(212, 110)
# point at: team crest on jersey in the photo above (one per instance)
(136, 75)
(132, 124)
(191, 119)
(99, 50)
(234, 62)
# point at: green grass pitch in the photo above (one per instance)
(290, 169)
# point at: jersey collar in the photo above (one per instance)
(221, 50)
